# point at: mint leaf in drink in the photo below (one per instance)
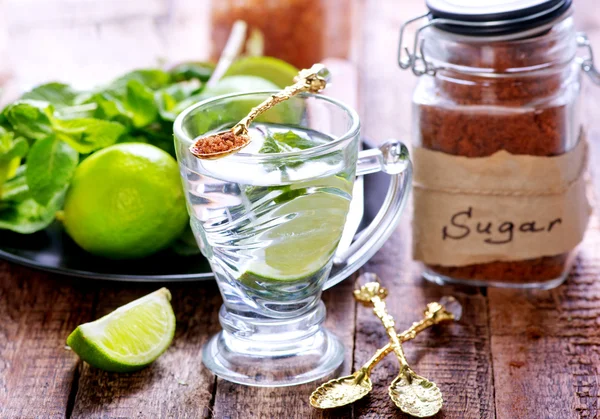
(50, 167)
(285, 142)
(87, 134)
(291, 141)
(28, 216)
(270, 146)
(58, 94)
(30, 118)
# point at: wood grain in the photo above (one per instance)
(37, 313)
(546, 344)
(176, 385)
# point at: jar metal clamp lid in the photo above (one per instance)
(498, 20)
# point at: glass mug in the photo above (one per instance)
(269, 224)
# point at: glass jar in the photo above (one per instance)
(301, 32)
(498, 102)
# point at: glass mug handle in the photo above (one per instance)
(392, 158)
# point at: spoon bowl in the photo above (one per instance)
(415, 395)
(342, 391)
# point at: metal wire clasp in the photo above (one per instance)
(417, 55)
(587, 62)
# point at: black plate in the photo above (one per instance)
(53, 251)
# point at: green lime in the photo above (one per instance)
(288, 112)
(130, 338)
(273, 69)
(239, 84)
(125, 201)
(304, 244)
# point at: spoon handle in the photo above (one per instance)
(311, 80)
(405, 336)
(380, 310)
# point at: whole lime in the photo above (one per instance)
(236, 108)
(125, 201)
(273, 69)
(239, 84)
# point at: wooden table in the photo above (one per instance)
(516, 354)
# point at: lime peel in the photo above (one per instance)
(130, 338)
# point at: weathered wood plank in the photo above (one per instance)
(235, 401)
(176, 385)
(37, 313)
(546, 344)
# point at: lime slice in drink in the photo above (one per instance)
(129, 338)
(273, 69)
(308, 235)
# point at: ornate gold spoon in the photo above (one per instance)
(224, 143)
(345, 390)
(412, 393)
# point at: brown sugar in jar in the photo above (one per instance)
(488, 95)
(301, 32)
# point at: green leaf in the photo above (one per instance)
(11, 152)
(109, 108)
(188, 71)
(152, 78)
(280, 142)
(30, 118)
(15, 190)
(88, 134)
(132, 106)
(50, 167)
(168, 98)
(270, 146)
(159, 135)
(139, 102)
(10, 147)
(28, 216)
(58, 94)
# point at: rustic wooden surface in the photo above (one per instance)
(516, 354)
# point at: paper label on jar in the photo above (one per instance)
(503, 207)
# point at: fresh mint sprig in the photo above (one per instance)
(50, 129)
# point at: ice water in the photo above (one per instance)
(271, 228)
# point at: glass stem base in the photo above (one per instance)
(273, 352)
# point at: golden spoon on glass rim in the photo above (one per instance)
(412, 393)
(346, 390)
(221, 144)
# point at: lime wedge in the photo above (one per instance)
(273, 69)
(304, 243)
(129, 338)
